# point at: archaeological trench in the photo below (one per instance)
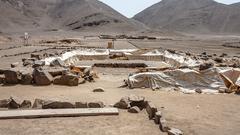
(157, 69)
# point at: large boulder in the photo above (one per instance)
(67, 79)
(12, 76)
(124, 103)
(42, 77)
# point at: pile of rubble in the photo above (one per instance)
(34, 71)
(14, 103)
(135, 104)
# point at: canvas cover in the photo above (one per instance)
(209, 81)
(231, 79)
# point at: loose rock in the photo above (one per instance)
(26, 104)
(13, 65)
(134, 109)
(174, 131)
(205, 66)
(42, 77)
(163, 125)
(223, 55)
(57, 105)
(4, 103)
(38, 103)
(98, 90)
(198, 90)
(96, 104)
(151, 110)
(14, 103)
(68, 79)
(157, 117)
(124, 103)
(218, 60)
(81, 105)
(137, 101)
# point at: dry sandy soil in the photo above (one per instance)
(196, 114)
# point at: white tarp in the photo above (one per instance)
(183, 60)
(188, 80)
(80, 52)
(231, 79)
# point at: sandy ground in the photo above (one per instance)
(196, 114)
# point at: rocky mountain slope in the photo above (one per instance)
(194, 16)
(51, 15)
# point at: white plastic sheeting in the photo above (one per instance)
(188, 80)
(180, 60)
(231, 79)
(80, 52)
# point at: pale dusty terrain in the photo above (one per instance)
(196, 114)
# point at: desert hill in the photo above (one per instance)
(194, 16)
(77, 15)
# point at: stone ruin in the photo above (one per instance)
(63, 70)
(132, 103)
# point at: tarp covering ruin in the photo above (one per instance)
(231, 79)
(80, 54)
(188, 80)
(175, 59)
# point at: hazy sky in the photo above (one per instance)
(131, 7)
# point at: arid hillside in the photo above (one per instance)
(53, 15)
(194, 16)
